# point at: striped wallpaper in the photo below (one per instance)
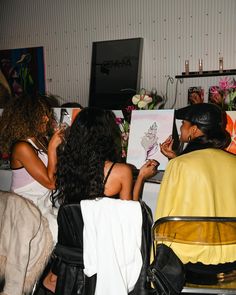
(173, 31)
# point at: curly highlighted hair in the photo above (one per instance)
(94, 138)
(21, 119)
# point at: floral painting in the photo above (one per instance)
(231, 128)
(148, 129)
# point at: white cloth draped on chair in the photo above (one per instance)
(112, 244)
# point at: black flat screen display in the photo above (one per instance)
(115, 72)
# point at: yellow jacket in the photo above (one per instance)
(200, 183)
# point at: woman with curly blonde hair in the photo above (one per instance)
(24, 127)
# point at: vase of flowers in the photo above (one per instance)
(225, 94)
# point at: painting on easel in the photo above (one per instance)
(231, 128)
(148, 129)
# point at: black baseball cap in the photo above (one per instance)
(201, 114)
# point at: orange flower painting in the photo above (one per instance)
(231, 128)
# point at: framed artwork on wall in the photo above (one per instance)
(22, 70)
(148, 129)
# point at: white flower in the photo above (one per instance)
(141, 100)
(136, 99)
(142, 104)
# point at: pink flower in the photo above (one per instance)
(124, 154)
(226, 83)
(224, 93)
(130, 108)
(118, 121)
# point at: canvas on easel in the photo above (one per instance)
(231, 128)
(65, 116)
(148, 129)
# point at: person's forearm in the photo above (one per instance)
(55, 141)
(148, 170)
(52, 163)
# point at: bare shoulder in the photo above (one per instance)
(22, 146)
(22, 150)
(123, 170)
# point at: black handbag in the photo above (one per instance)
(166, 272)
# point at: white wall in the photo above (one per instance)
(173, 31)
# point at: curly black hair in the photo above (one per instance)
(22, 118)
(94, 138)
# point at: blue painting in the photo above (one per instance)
(22, 70)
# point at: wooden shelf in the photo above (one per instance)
(206, 74)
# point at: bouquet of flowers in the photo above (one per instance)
(224, 94)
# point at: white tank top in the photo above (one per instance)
(20, 176)
(26, 186)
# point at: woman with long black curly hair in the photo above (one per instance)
(89, 168)
(90, 153)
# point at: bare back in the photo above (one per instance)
(119, 182)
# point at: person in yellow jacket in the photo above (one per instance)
(200, 182)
